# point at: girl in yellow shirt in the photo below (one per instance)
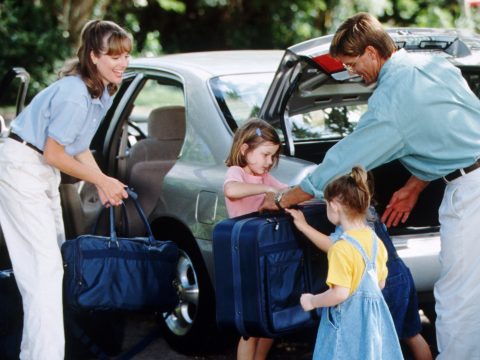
(355, 322)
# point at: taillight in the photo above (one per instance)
(328, 63)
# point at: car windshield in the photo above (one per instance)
(240, 96)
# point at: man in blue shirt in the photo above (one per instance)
(422, 113)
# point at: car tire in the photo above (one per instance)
(191, 326)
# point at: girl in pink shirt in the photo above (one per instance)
(255, 151)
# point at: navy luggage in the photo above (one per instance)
(262, 266)
(120, 273)
(11, 317)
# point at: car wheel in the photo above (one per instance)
(190, 327)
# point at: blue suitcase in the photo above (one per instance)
(262, 266)
(11, 317)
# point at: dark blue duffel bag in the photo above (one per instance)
(117, 273)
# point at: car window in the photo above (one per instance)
(156, 105)
(328, 123)
(473, 80)
(155, 93)
(240, 96)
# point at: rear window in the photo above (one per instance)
(240, 96)
(327, 123)
(473, 79)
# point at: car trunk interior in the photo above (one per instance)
(317, 92)
(387, 179)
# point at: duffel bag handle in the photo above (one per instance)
(134, 197)
(126, 227)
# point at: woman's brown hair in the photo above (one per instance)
(358, 32)
(253, 133)
(352, 191)
(103, 38)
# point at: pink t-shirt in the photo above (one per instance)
(248, 204)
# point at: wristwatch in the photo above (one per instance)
(278, 197)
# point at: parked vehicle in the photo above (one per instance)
(171, 125)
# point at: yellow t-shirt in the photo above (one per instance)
(346, 265)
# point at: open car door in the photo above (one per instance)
(303, 76)
(13, 91)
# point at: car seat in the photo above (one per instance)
(150, 159)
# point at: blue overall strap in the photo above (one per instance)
(370, 263)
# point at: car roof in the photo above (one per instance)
(214, 63)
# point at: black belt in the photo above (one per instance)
(459, 172)
(19, 139)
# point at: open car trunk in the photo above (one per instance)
(315, 103)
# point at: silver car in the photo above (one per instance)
(171, 125)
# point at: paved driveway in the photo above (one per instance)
(294, 348)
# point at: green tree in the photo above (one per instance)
(37, 43)
(40, 34)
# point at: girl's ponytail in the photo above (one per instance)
(352, 190)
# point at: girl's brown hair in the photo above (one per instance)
(358, 32)
(253, 133)
(103, 38)
(352, 191)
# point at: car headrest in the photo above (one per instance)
(167, 123)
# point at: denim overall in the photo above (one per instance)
(361, 327)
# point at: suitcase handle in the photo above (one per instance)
(113, 234)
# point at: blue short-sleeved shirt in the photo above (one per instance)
(422, 113)
(64, 111)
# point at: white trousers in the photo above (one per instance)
(32, 224)
(457, 292)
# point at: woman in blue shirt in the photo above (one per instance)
(53, 134)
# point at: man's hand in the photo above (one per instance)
(292, 196)
(269, 202)
(403, 201)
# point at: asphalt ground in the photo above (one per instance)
(298, 347)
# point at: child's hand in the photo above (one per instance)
(298, 217)
(306, 300)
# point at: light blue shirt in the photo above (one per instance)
(422, 113)
(64, 111)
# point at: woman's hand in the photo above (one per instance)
(111, 191)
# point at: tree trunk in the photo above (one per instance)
(77, 12)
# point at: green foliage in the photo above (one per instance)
(38, 43)
(256, 24)
(337, 121)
